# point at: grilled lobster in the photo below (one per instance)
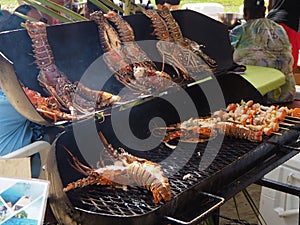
(128, 170)
(177, 50)
(176, 34)
(48, 106)
(130, 64)
(57, 84)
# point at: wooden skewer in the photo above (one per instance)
(293, 117)
(287, 124)
(277, 133)
(292, 120)
(284, 128)
(170, 146)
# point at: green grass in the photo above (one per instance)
(8, 4)
(230, 5)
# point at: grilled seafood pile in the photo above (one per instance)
(71, 97)
(247, 120)
(186, 55)
(127, 170)
(130, 64)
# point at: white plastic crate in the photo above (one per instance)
(279, 208)
(297, 96)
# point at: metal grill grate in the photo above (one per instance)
(137, 201)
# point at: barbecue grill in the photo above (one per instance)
(221, 167)
(237, 160)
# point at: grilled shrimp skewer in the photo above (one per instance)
(247, 120)
(197, 130)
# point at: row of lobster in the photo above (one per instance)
(124, 57)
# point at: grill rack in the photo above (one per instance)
(137, 201)
(235, 154)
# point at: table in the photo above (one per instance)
(264, 79)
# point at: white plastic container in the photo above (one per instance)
(279, 208)
(210, 9)
(297, 96)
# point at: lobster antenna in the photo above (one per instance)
(103, 139)
(113, 153)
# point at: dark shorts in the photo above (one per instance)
(171, 2)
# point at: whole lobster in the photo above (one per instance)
(130, 64)
(127, 170)
(71, 96)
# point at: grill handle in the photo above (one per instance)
(216, 202)
(293, 148)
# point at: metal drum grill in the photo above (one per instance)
(102, 205)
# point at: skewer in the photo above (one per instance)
(293, 117)
(276, 133)
(284, 128)
(292, 120)
(170, 146)
(287, 124)
(294, 148)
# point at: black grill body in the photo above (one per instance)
(212, 168)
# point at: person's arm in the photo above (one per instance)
(234, 36)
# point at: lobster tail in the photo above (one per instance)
(172, 26)
(151, 176)
(42, 51)
(125, 30)
(109, 38)
(159, 25)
